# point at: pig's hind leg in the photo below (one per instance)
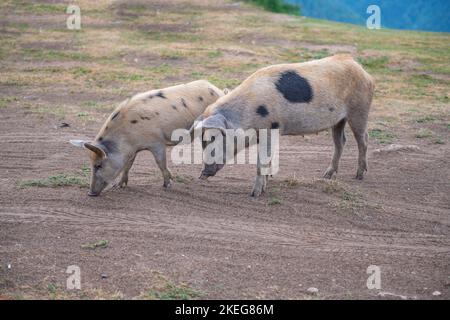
(339, 142)
(159, 152)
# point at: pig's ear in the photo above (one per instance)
(97, 150)
(216, 121)
(78, 143)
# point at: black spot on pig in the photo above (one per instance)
(174, 107)
(331, 109)
(161, 95)
(115, 115)
(211, 92)
(262, 111)
(157, 113)
(133, 121)
(144, 118)
(200, 98)
(183, 102)
(275, 125)
(294, 87)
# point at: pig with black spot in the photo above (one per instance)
(144, 122)
(298, 99)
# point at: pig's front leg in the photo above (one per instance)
(124, 178)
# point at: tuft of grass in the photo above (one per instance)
(95, 245)
(172, 291)
(51, 288)
(274, 200)
(424, 133)
(279, 6)
(382, 136)
(214, 54)
(59, 180)
(181, 178)
(164, 69)
(165, 289)
(171, 54)
(350, 201)
(331, 187)
(422, 80)
(291, 182)
(427, 118)
(40, 8)
(82, 114)
(40, 54)
(80, 71)
(6, 101)
(374, 63)
(223, 82)
(438, 141)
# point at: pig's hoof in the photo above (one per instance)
(121, 184)
(329, 173)
(257, 191)
(167, 184)
(360, 174)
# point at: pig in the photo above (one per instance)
(298, 99)
(144, 122)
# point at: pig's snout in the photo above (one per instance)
(205, 176)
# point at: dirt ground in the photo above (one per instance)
(210, 239)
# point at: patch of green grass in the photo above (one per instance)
(163, 69)
(168, 290)
(59, 180)
(41, 54)
(80, 71)
(39, 8)
(279, 6)
(181, 178)
(274, 200)
(214, 54)
(174, 292)
(427, 118)
(315, 54)
(86, 171)
(291, 182)
(424, 133)
(374, 63)
(422, 80)
(130, 77)
(350, 201)
(171, 54)
(82, 114)
(5, 101)
(59, 111)
(170, 36)
(223, 82)
(198, 74)
(438, 141)
(95, 245)
(381, 136)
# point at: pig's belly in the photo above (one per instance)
(307, 119)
